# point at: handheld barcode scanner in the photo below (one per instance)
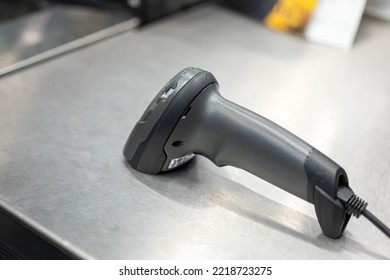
(189, 117)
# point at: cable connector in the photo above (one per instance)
(356, 206)
(353, 204)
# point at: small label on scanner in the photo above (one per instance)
(179, 161)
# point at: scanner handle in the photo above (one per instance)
(229, 134)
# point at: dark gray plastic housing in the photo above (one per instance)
(189, 117)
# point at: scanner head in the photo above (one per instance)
(144, 148)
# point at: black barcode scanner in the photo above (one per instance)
(189, 116)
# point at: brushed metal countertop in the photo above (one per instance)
(63, 125)
(54, 31)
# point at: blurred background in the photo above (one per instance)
(35, 30)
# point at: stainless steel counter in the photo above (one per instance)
(64, 123)
(54, 31)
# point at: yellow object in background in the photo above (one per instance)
(290, 15)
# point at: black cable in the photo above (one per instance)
(376, 222)
(356, 206)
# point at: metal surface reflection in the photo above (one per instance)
(55, 30)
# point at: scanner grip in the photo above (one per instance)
(229, 134)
